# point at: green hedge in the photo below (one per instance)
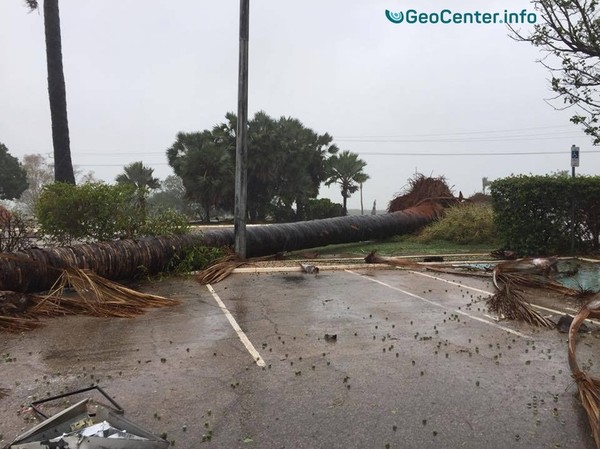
(534, 213)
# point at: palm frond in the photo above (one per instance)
(587, 385)
(32, 4)
(509, 303)
(96, 296)
(220, 270)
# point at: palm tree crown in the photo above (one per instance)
(138, 175)
(346, 169)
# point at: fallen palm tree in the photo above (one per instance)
(37, 269)
(587, 385)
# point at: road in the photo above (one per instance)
(416, 362)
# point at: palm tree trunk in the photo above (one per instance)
(63, 166)
(36, 269)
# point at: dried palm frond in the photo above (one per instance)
(100, 296)
(224, 266)
(531, 280)
(220, 270)
(587, 385)
(509, 303)
(16, 324)
(96, 296)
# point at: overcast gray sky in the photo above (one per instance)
(139, 72)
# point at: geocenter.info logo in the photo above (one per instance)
(446, 16)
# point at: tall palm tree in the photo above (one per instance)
(346, 169)
(63, 165)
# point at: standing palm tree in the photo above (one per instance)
(139, 176)
(63, 166)
(346, 169)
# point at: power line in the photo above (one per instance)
(500, 153)
(466, 140)
(463, 132)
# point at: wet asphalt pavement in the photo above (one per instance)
(416, 363)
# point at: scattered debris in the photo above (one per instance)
(310, 269)
(88, 425)
(331, 337)
(433, 259)
(504, 254)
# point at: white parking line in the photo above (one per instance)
(458, 284)
(247, 343)
(485, 292)
(433, 303)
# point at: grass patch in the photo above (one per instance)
(402, 246)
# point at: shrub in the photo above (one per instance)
(197, 259)
(15, 231)
(99, 212)
(464, 224)
(166, 222)
(322, 208)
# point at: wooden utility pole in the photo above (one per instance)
(241, 143)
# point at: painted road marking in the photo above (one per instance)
(458, 284)
(236, 327)
(436, 304)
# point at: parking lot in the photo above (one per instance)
(356, 358)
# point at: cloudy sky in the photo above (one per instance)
(463, 101)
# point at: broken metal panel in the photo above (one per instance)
(87, 425)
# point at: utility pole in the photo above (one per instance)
(241, 141)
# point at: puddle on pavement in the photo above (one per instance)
(586, 275)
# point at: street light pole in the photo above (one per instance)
(241, 141)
